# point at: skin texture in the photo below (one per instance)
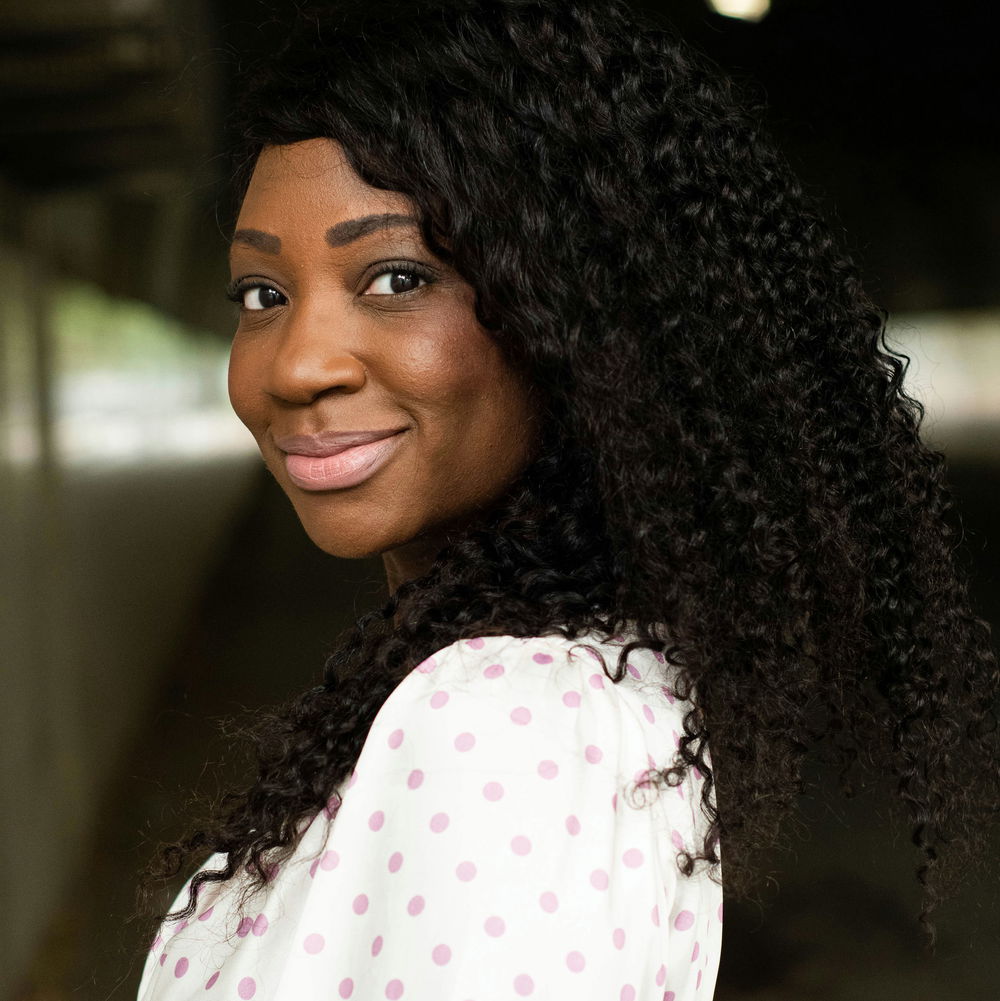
(342, 348)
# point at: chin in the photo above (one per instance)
(352, 539)
(357, 546)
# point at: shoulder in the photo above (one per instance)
(544, 704)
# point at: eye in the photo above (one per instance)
(255, 296)
(261, 297)
(398, 279)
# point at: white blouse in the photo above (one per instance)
(493, 842)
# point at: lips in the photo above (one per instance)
(336, 460)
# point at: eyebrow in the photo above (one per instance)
(267, 242)
(353, 229)
(336, 236)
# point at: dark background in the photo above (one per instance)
(889, 111)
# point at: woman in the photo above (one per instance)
(529, 307)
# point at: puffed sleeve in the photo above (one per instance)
(498, 839)
(486, 847)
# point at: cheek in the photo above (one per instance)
(244, 385)
(477, 408)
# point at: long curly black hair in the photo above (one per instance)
(730, 466)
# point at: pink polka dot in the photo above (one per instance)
(205, 915)
(548, 769)
(599, 879)
(416, 904)
(495, 926)
(697, 983)
(210, 983)
(575, 961)
(654, 915)
(571, 699)
(618, 937)
(395, 739)
(596, 680)
(354, 778)
(573, 824)
(669, 996)
(181, 967)
(424, 667)
(627, 993)
(684, 920)
(415, 779)
(313, 943)
(360, 904)
(464, 742)
(520, 845)
(441, 954)
(695, 951)
(549, 901)
(346, 987)
(243, 928)
(648, 713)
(720, 912)
(376, 945)
(477, 644)
(523, 984)
(156, 943)
(438, 699)
(246, 988)
(632, 858)
(521, 715)
(163, 958)
(181, 927)
(394, 990)
(677, 840)
(466, 871)
(329, 860)
(493, 671)
(493, 791)
(395, 861)
(439, 822)
(661, 975)
(332, 806)
(593, 753)
(313, 867)
(541, 658)
(259, 925)
(614, 802)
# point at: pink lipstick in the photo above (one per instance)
(334, 460)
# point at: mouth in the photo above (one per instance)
(335, 461)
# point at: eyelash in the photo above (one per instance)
(238, 288)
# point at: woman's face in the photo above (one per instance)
(350, 328)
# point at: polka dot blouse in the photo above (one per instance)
(494, 842)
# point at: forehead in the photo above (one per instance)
(312, 179)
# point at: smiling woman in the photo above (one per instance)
(530, 307)
(380, 404)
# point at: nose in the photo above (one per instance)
(313, 358)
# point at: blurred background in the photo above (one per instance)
(157, 584)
